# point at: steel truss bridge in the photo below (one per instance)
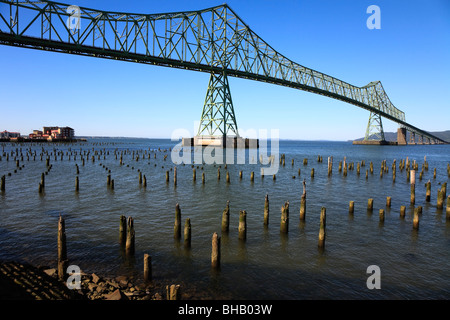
(214, 40)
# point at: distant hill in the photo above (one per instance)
(392, 136)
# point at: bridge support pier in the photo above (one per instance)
(401, 136)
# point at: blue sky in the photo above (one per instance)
(409, 55)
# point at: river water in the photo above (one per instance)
(413, 264)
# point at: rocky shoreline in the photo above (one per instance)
(22, 281)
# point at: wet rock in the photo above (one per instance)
(116, 295)
(96, 279)
(51, 272)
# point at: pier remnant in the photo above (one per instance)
(242, 228)
(129, 245)
(303, 203)
(266, 210)
(215, 252)
(147, 267)
(284, 225)
(226, 218)
(62, 249)
(177, 225)
(322, 233)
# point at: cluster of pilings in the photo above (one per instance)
(127, 232)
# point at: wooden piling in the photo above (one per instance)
(266, 210)
(240, 174)
(416, 219)
(215, 252)
(62, 249)
(252, 176)
(226, 218)
(147, 268)
(428, 192)
(303, 203)
(284, 225)
(203, 178)
(177, 225)
(187, 233)
(370, 204)
(402, 211)
(228, 177)
(173, 291)
(447, 210)
(351, 207)
(167, 175)
(129, 245)
(322, 232)
(194, 175)
(388, 202)
(77, 184)
(381, 214)
(242, 229)
(123, 230)
(144, 181)
(175, 176)
(330, 166)
(3, 183)
(312, 172)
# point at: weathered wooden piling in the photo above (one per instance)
(123, 230)
(284, 224)
(240, 174)
(330, 166)
(226, 218)
(175, 176)
(194, 175)
(167, 175)
(140, 177)
(312, 172)
(3, 183)
(381, 215)
(252, 176)
(215, 252)
(187, 233)
(370, 204)
(173, 292)
(77, 184)
(416, 219)
(62, 249)
(266, 210)
(303, 203)
(402, 211)
(322, 232)
(413, 186)
(242, 229)
(147, 268)
(447, 210)
(428, 192)
(218, 173)
(177, 225)
(112, 184)
(228, 177)
(43, 179)
(388, 202)
(440, 199)
(351, 207)
(203, 178)
(129, 245)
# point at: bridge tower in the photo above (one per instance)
(218, 118)
(374, 131)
